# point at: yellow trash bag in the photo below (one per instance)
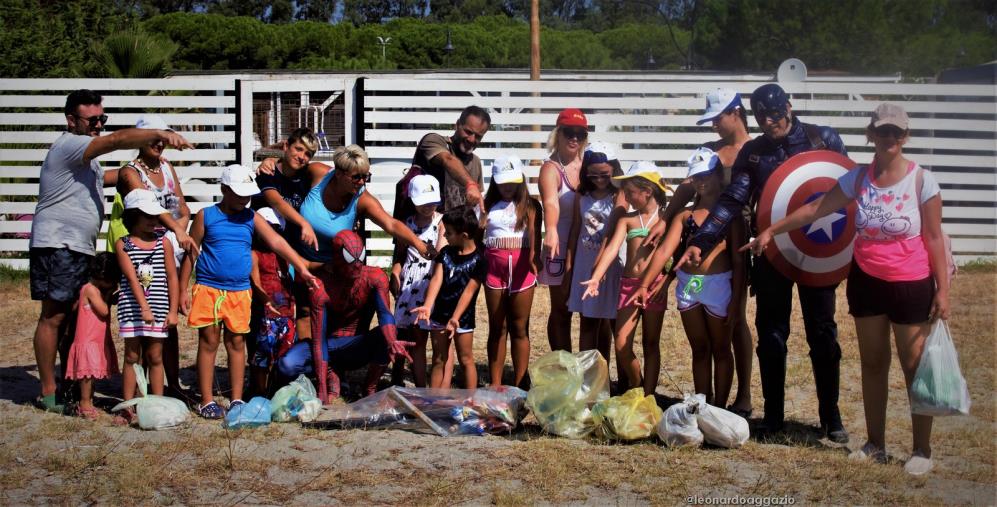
(631, 416)
(564, 386)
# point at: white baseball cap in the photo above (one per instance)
(271, 216)
(144, 201)
(152, 122)
(424, 189)
(718, 101)
(597, 147)
(702, 161)
(240, 179)
(507, 169)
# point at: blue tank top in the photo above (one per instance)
(325, 223)
(226, 258)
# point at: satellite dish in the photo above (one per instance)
(792, 70)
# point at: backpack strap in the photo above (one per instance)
(813, 134)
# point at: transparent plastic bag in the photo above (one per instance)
(249, 415)
(631, 416)
(446, 412)
(939, 388)
(564, 387)
(296, 393)
(154, 412)
(720, 427)
(679, 427)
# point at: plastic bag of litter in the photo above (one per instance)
(679, 427)
(564, 387)
(296, 395)
(446, 412)
(249, 415)
(154, 412)
(720, 427)
(630, 416)
(939, 388)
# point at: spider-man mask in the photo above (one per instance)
(348, 254)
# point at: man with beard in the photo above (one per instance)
(784, 136)
(67, 219)
(451, 160)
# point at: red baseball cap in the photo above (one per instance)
(572, 118)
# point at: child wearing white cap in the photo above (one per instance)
(512, 250)
(707, 295)
(147, 306)
(410, 275)
(221, 296)
(645, 193)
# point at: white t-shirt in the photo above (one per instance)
(70, 198)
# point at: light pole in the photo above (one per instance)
(650, 60)
(448, 48)
(384, 46)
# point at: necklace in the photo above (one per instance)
(158, 169)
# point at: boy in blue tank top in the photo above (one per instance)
(222, 294)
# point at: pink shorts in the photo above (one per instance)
(629, 285)
(509, 269)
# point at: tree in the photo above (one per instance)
(133, 54)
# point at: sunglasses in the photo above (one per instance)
(891, 131)
(93, 120)
(577, 133)
(361, 178)
(598, 177)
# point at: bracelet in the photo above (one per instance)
(470, 184)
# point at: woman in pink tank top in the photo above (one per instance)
(899, 278)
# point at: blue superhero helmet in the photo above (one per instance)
(769, 101)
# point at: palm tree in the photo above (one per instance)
(133, 54)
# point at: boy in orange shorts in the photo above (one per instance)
(221, 294)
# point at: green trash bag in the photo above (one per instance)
(631, 416)
(939, 388)
(564, 387)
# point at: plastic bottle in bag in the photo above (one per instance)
(564, 386)
(678, 427)
(938, 388)
(302, 390)
(631, 416)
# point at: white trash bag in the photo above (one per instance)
(155, 412)
(720, 427)
(939, 388)
(678, 427)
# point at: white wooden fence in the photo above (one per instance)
(954, 129)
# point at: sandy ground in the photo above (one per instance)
(46, 458)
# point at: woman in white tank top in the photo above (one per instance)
(558, 181)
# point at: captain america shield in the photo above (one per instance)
(817, 254)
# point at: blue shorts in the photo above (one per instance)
(345, 353)
(57, 273)
(275, 333)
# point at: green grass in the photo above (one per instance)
(981, 265)
(10, 274)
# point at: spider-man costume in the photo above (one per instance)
(347, 295)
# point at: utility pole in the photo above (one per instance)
(534, 40)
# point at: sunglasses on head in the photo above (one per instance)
(892, 131)
(93, 120)
(576, 133)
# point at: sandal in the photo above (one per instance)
(210, 411)
(126, 417)
(48, 404)
(739, 411)
(235, 403)
(90, 414)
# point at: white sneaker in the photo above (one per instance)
(868, 452)
(918, 465)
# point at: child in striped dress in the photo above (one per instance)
(147, 306)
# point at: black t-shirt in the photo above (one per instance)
(458, 271)
(292, 189)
